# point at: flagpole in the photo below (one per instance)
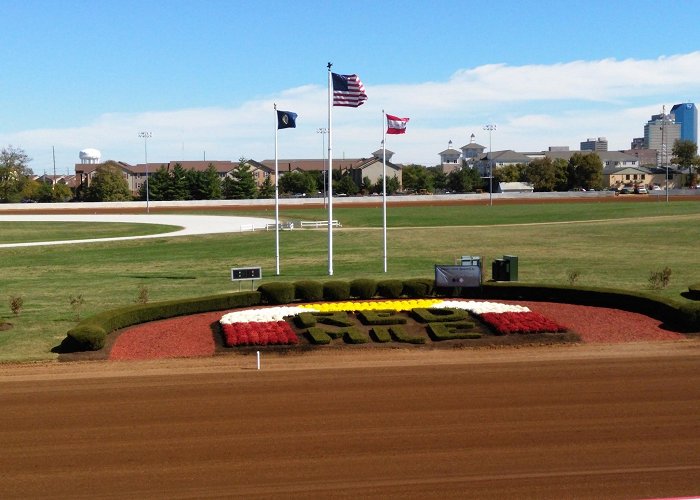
(277, 208)
(330, 172)
(384, 184)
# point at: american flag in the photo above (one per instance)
(348, 91)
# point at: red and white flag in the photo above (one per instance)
(396, 125)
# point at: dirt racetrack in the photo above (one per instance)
(577, 421)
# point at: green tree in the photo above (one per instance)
(544, 174)
(297, 182)
(14, 173)
(416, 178)
(240, 185)
(685, 155)
(266, 189)
(509, 173)
(211, 183)
(108, 184)
(585, 171)
(179, 184)
(464, 180)
(158, 185)
(347, 186)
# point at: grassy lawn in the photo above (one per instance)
(20, 232)
(610, 244)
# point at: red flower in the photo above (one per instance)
(259, 334)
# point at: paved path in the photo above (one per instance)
(189, 224)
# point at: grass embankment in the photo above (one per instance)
(26, 232)
(613, 245)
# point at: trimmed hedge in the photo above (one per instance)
(390, 289)
(418, 288)
(694, 291)
(452, 331)
(90, 334)
(439, 315)
(363, 288)
(277, 293)
(336, 290)
(308, 290)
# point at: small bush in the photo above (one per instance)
(573, 276)
(76, 303)
(336, 290)
(452, 331)
(694, 291)
(363, 288)
(277, 293)
(354, 336)
(88, 337)
(418, 288)
(16, 303)
(401, 335)
(390, 289)
(660, 279)
(380, 317)
(308, 290)
(439, 315)
(142, 297)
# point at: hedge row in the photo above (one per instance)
(90, 334)
(335, 290)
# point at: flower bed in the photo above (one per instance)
(520, 322)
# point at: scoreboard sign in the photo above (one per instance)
(458, 276)
(246, 273)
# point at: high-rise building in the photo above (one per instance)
(686, 114)
(660, 133)
(593, 144)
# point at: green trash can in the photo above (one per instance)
(511, 267)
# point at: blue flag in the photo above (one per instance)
(286, 119)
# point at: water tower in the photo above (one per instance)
(90, 156)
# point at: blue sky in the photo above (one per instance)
(202, 75)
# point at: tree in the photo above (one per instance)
(108, 184)
(14, 173)
(685, 155)
(509, 173)
(416, 178)
(179, 184)
(211, 183)
(266, 189)
(297, 182)
(241, 184)
(465, 180)
(585, 171)
(158, 185)
(545, 174)
(392, 186)
(346, 185)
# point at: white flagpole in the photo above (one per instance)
(330, 172)
(384, 184)
(277, 208)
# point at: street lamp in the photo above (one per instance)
(146, 136)
(323, 132)
(489, 157)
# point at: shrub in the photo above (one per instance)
(363, 288)
(277, 293)
(660, 279)
(694, 291)
(354, 336)
(308, 290)
(108, 321)
(401, 335)
(439, 315)
(76, 303)
(573, 276)
(318, 336)
(336, 290)
(16, 303)
(418, 288)
(380, 334)
(381, 317)
(390, 289)
(142, 297)
(452, 331)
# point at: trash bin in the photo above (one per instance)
(511, 267)
(498, 270)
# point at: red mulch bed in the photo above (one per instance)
(191, 336)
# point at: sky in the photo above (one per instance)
(202, 76)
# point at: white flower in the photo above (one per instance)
(479, 308)
(262, 315)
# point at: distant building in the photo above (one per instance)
(450, 159)
(595, 144)
(660, 133)
(637, 143)
(686, 114)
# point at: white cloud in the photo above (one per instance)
(534, 106)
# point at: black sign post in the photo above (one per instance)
(245, 273)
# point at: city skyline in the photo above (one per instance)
(203, 77)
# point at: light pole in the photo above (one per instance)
(323, 132)
(146, 136)
(489, 157)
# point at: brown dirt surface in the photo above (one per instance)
(567, 421)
